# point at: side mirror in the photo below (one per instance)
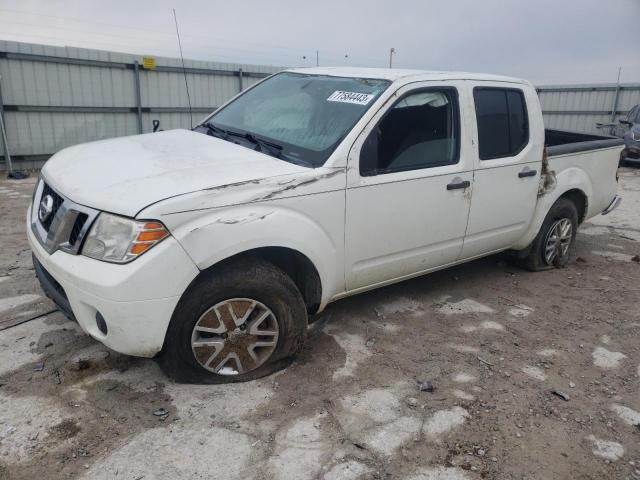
(626, 122)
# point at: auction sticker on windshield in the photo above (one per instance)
(350, 97)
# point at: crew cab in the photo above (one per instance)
(209, 248)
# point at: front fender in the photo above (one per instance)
(222, 233)
(568, 179)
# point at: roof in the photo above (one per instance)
(394, 74)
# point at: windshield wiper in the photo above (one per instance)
(272, 148)
(215, 131)
(262, 145)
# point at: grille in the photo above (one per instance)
(81, 219)
(57, 201)
(67, 224)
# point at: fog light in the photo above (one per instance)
(102, 325)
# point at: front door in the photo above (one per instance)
(409, 187)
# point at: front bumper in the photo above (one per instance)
(136, 299)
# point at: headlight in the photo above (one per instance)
(120, 240)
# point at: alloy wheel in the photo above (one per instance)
(234, 336)
(558, 240)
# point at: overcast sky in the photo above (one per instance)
(545, 41)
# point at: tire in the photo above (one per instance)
(563, 214)
(251, 294)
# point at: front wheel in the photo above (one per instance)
(555, 241)
(239, 322)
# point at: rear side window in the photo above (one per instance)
(503, 124)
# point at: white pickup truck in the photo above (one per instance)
(209, 248)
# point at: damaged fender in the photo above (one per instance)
(221, 234)
(569, 179)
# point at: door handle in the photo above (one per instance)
(527, 173)
(457, 185)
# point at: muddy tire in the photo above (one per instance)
(556, 239)
(236, 323)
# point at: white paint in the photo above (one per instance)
(24, 422)
(5, 278)
(355, 350)
(463, 378)
(620, 257)
(464, 348)
(380, 405)
(439, 473)
(399, 305)
(193, 401)
(14, 302)
(608, 450)
(547, 352)
(486, 325)
(462, 395)
(467, 305)
(594, 230)
(603, 358)
(374, 417)
(626, 414)
(606, 339)
(520, 311)
(177, 452)
(491, 325)
(15, 350)
(445, 420)
(350, 470)
(299, 450)
(111, 181)
(387, 439)
(534, 372)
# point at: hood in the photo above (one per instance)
(124, 175)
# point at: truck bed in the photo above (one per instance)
(562, 142)
(590, 160)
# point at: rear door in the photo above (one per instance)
(509, 138)
(409, 186)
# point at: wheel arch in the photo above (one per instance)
(576, 195)
(579, 199)
(296, 265)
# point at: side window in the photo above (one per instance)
(635, 118)
(503, 124)
(631, 115)
(421, 130)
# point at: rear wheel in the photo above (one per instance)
(555, 241)
(239, 322)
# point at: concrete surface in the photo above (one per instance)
(494, 341)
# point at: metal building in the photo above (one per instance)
(580, 108)
(53, 97)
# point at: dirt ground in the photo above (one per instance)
(494, 342)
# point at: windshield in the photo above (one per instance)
(304, 116)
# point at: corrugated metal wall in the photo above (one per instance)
(581, 107)
(54, 97)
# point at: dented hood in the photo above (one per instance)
(124, 175)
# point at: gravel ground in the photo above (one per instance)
(494, 342)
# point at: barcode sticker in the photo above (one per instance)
(350, 97)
